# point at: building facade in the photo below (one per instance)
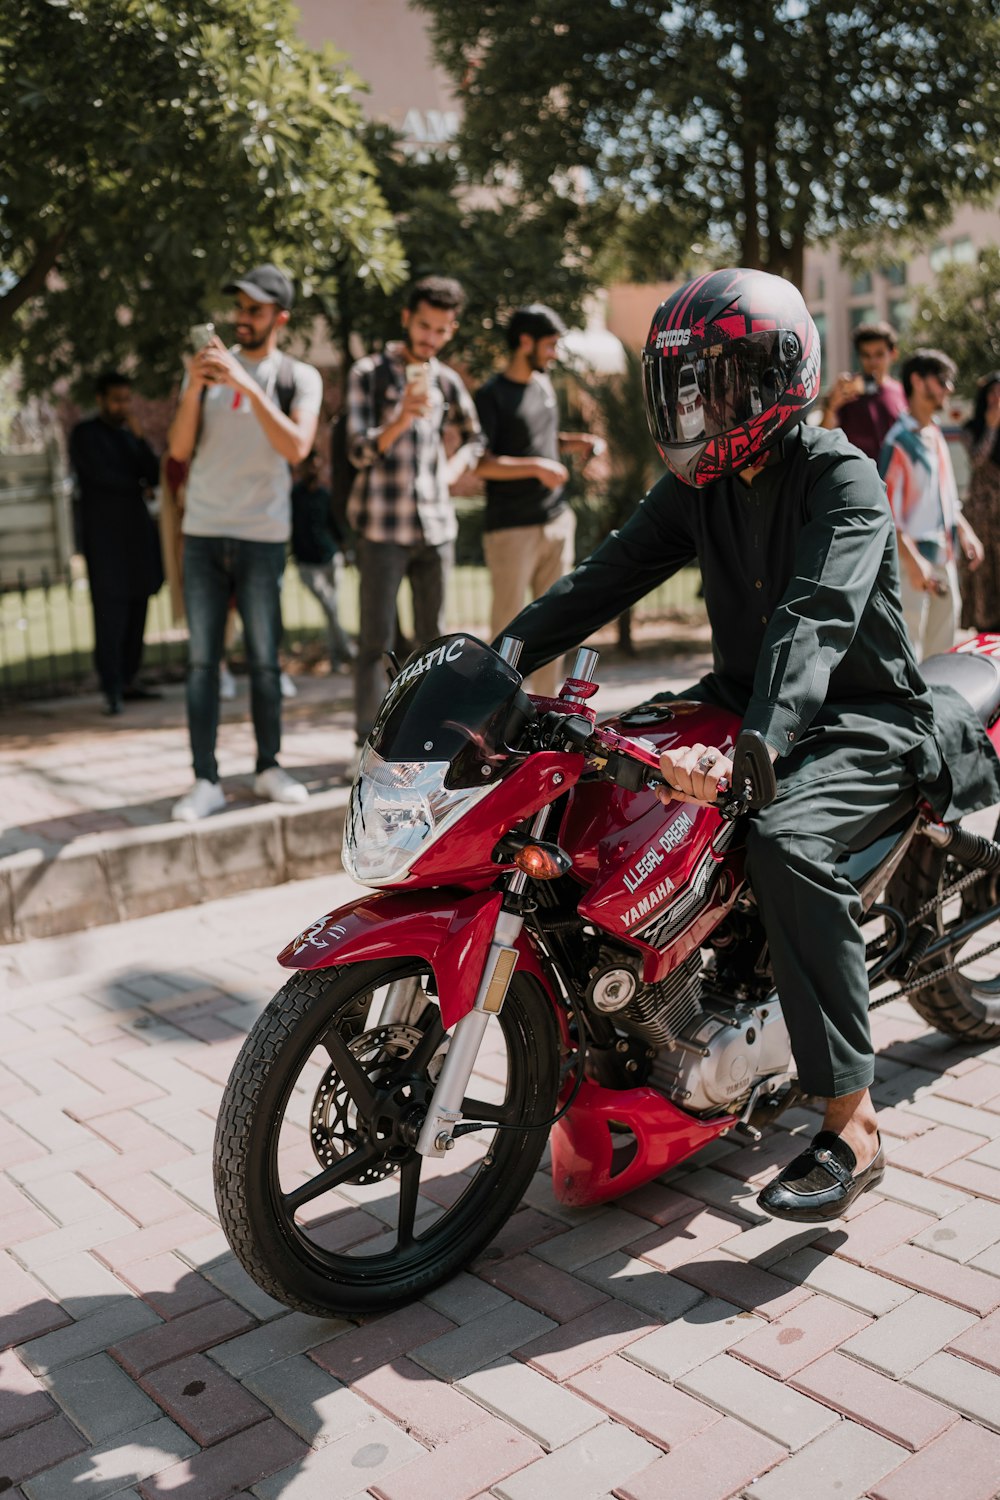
(388, 45)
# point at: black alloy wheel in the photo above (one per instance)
(320, 1189)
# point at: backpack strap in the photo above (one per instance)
(284, 384)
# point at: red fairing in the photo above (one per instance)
(637, 855)
(583, 1145)
(464, 856)
(452, 933)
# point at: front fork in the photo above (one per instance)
(445, 1109)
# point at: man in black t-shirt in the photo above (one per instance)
(530, 529)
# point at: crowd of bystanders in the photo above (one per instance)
(246, 425)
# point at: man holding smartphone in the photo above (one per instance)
(246, 414)
(867, 405)
(412, 430)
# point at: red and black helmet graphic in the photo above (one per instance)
(730, 364)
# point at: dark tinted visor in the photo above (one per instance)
(457, 701)
(692, 397)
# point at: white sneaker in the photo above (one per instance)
(279, 786)
(288, 688)
(227, 683)
(204, 798)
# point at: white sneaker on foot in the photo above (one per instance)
(227, 683)
(204, 798)
(279, 786)
(288, 688)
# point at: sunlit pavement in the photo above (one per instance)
(674, 1343)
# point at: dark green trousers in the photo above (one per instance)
(811, 911)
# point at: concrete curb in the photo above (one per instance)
(109, 877)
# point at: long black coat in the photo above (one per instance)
(118, 536)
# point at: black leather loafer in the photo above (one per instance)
(821, 1183)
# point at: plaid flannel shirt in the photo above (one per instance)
(401, 495)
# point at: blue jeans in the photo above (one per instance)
(218, 569)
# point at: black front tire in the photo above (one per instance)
(323, 1267)
(961, 1004)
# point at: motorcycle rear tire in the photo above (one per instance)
(281, 1260)
(954, 1004)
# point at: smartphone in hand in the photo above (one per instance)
(418, 380)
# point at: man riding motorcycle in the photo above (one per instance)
(792, 530)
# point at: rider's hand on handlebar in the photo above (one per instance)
(696, 773)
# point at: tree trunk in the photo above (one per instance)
(625, 641)
(32, 283)
(750, 238)
(797, 256)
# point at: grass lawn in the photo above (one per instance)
(46, 635)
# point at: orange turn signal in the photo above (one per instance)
(540, 862)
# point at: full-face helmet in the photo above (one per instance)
(730, 364)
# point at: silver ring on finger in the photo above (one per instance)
(707, 761)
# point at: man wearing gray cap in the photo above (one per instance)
(246, 414)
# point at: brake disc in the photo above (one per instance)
(333, 1130)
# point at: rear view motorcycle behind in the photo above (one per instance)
(549, 954)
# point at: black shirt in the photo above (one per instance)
(113, 469)
(801, 584)
(520, 421)
(315, 534)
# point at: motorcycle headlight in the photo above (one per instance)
(395, 810)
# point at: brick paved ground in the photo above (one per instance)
(673, 1344)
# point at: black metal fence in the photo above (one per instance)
(47, 641)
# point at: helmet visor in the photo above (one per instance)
(698, 395)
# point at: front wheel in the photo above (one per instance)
(319, 1187)
(965, 1002)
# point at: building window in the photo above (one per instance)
(821, 323)
(861, 284)
(895, 274)
(939, 256)
(857, 316)
(958, 252)
(900, 313)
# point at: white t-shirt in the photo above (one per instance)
(239, 485)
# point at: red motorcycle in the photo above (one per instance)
(551, 953)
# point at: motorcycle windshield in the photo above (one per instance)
(453, 703)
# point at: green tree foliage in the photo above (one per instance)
(961, 315)
(746, 130)
(503, 248)
(146, 150)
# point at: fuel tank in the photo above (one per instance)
(658, 878)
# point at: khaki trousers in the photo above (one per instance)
(932, 619)
(525, 561)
